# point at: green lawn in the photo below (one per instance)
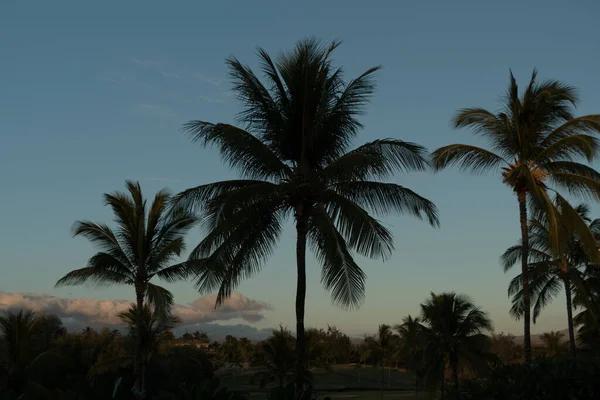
(341, 383)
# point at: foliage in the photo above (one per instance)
(278, 358)
(143, 247)
(544, 379)
(452, 333)
(504, 347)
(538, 143)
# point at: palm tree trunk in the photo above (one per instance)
(443, 379)
(137, 363)
(416, 386)
(522, 197)
(454, 366)
(301, 229)
(570, 316)
(382, 376)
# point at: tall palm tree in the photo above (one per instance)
(551, 269)
(553, 341)
(453, 330)
(538, 142)
(293, 154)
(411, 347)
(142, 248)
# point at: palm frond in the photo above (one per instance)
(197, 197)
(181, 271)
(93, 276)
(362, 232)
(161, 299)
(570, 147)
(383, 198)
(377, 159)
(341, 275)
(103, 237)
(240, 149)
(577, 185)
(467, 157)
(513, 255)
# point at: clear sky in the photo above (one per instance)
(93, 93)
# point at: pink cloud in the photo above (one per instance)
(86, 311)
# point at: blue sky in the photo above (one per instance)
(93, 93)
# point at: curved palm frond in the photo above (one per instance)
(240, 149)
(161, 299)
(362, 232)
(102, 270)
(102, 236)
(341, 275)
(468, 158)
(377, 159)
(383, 198)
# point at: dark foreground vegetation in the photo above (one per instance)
(292, 150)
(41, 360)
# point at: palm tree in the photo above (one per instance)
(551, 269)
(21, 338)
(411, 347)
(588, 301)
(453, 331)
(380, 346)
(155, 328)
(554, 342)
(142, 247)
(537, 141)
(278, 353)
(293, 156)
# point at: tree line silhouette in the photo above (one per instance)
(292, 151)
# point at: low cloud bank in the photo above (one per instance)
(78, 312)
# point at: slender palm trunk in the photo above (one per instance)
(416, 386)
(443, 379)
(454, 366)
(572, 345)
(382, 375)
(522, 197)
(301, 229)
(138, 386)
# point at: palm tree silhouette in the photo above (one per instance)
(294, 159)
(536, 140)
(554, 342)
(551, 269)
(453, 330)
(142, 248)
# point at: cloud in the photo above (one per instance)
(155, 66)
(76, 312)
(212, 81)
(209, 99)
(153, 109)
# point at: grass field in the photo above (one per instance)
(343, 382)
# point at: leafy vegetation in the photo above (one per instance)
(292, 151)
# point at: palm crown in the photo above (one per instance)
(293, 151)
(143, 246)
(536, 140)
(453, 329)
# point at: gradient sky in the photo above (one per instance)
(93, 93)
